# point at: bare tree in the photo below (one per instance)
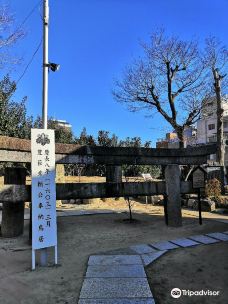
(79, 168)
(169, 80)
(216, 58)
(129, 200)
(8, 36)
(130, 204)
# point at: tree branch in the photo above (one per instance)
(170, 96)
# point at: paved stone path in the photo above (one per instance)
(121, 279)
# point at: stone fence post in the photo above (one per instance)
(113, 174)
(13, 213)
(60, 173)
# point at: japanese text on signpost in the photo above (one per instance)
(43, 189)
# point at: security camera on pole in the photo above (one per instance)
(44, 230)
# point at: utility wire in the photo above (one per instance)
(30, 61)
(28, 16)
(39, 45)
(27, 66)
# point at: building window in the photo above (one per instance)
(211, 126)
(225, 124)
(212, 139)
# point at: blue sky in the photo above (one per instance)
(93, 40)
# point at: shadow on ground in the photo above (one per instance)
(78, 238)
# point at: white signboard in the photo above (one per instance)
(44, 232)
(147, 176)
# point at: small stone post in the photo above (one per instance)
(172, 179)
(113, 174)
(60, 178)
(60, 173)
(13, 213)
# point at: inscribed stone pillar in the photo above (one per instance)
(173, 183)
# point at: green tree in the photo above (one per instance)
(62, 135)
(85, 139)
(106, 140)
(13, 115)
(103, 139)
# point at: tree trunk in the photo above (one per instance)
(180, 135)
(130, 212)
(220, 139)
(181, 144)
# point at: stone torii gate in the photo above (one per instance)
(19, 151)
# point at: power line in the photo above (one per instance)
(37, 48)
(24, 21)
(27, 66)
(39, 45)
(30, 61)
(28, 16)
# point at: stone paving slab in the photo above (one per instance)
(141, 249)
(116, 271)
(117, 301)
(114, 260)
(183, 242)
(151, 257)
(121, 279)
(164, 245)
(203, 239)
(106, 288)
(219, 236)
(120, 251)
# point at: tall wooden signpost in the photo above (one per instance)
(198, 182)
(44, 232)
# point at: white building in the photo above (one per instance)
(207, 125)
(171, 140)
(62, 124)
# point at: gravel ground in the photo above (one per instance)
(78, 238)
(201, 268)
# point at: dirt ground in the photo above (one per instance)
(195, 269)
(78, 238)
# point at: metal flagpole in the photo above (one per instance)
(45, 62)
(33, 259)
(43, 253)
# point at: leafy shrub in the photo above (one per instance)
(213, 188)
